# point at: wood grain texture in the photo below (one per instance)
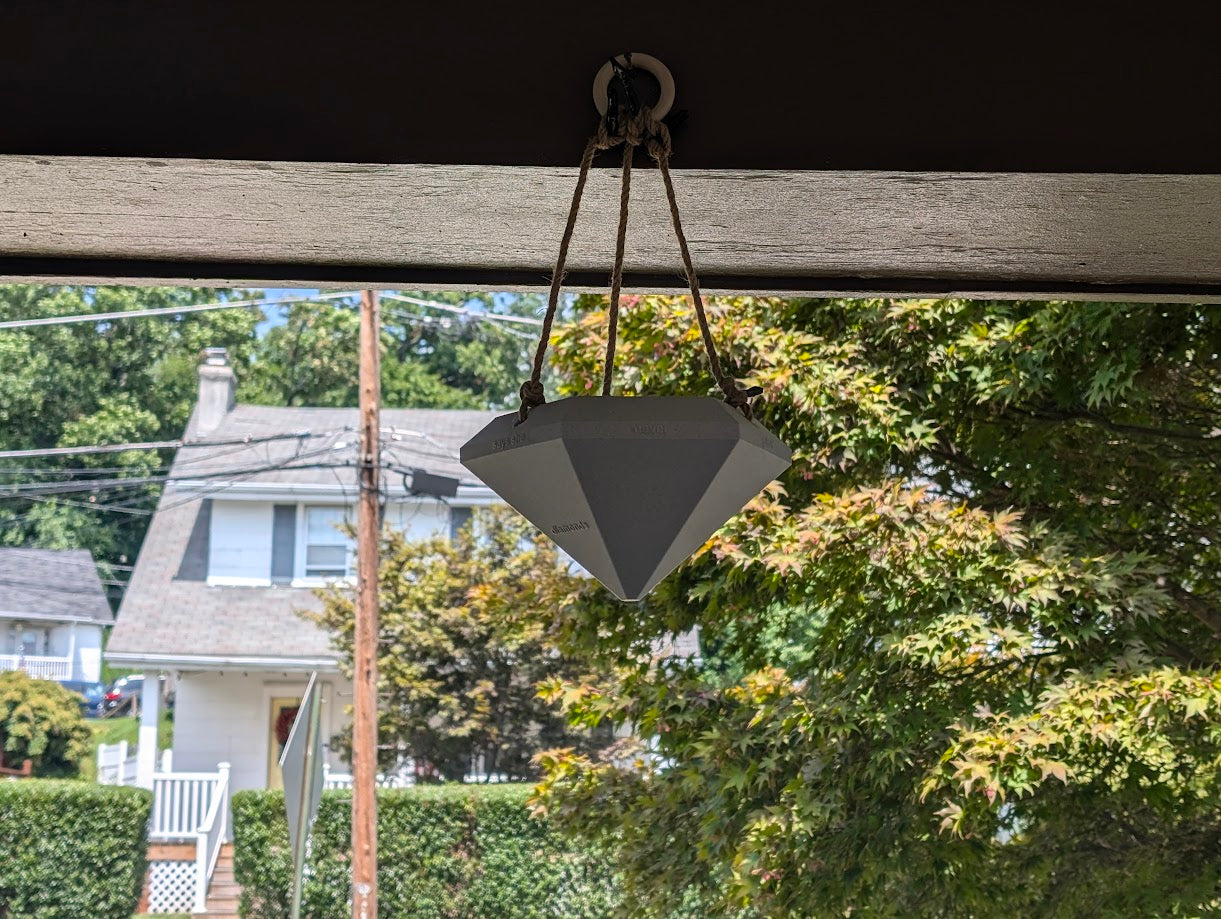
(495, 226)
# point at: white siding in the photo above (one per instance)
(88, 663)
(226, 717)
(87, 657)
(239, 547)
(419, 519)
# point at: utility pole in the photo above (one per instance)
(368, 535)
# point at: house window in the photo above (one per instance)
(458, 518)
(329, 553)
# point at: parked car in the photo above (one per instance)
(93, 696)
(124, 688)
(121, 691)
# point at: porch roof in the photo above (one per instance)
(52, 584)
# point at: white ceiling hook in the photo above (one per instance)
(645, 62)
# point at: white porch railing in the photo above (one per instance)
(38, 666)
(116, 763)
(181, 803)
(211, 837)
(332, 780)
(187, 807)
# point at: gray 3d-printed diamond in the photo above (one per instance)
(629, 487)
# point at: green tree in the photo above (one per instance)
(41, 721)
(430, 358)
(134, 380)
(963, 659)
(460, 659)
(87, 383)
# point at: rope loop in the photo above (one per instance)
(641, 129)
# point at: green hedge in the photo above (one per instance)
(71, 849)
(445, 852)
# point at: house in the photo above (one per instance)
(53, 610)
(249, 523)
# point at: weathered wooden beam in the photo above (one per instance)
(324, 224)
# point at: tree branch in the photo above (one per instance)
(1201, 609)
(1121, 427)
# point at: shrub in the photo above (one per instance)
(444, 851)
(41, 721)
(71, 849)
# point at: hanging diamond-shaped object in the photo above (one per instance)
(629, 487)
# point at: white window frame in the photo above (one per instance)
(302, 575)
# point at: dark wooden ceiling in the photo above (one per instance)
(1039, 149)
(1034, 87)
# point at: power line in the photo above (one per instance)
(169, 310)
(231, 476)
(392, 442)
(95, 448)
(27, 489)
(149, 445)
(463, 311)
(287, 465)
(443, 325)
(262, 301)
(87, 505)
(45, 490)
(72, 470)
(40, 489)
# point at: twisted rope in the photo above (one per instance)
(612, 331)
(641, 129)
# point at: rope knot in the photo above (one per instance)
(739, 398)
(603, 139)
(658, 139)
(532, 393)
(532, 396)
(638, 130)
(640, 127)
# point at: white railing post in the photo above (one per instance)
(223, 815)
(120, 771)
(146, 749)
(201, 873)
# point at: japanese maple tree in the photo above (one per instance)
(963, 659)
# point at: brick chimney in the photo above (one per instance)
(217, 384)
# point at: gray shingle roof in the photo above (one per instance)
(169, 609)
(52, 584)
(424, 438)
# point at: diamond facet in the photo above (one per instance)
(629, 487)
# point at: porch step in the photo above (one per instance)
(224, 891)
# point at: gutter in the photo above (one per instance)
(220, 662)
(83, 619)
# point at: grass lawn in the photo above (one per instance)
(125, 727)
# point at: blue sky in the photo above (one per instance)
(275, 314)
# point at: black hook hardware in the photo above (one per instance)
(621, 95)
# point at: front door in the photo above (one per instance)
(283, 712)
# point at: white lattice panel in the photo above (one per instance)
(171, 886)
